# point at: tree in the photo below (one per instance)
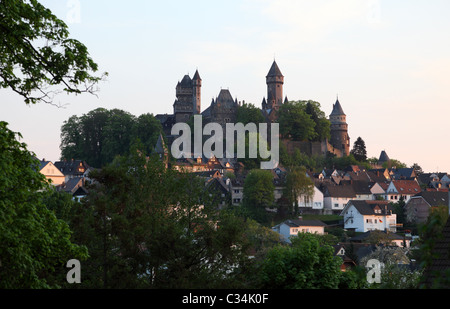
(117, 134)
(295, 123)
(307, 264)
(322, 124)
(298, 185)
(34, 244)
(393, 163)
(417, 168)
(37, 56)
(101, 134)
(258, 192)
(359, 150)
(151, 227)
(249, 113)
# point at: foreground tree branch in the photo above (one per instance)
(37, 58)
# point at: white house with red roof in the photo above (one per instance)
(402, 189)
(363, 216)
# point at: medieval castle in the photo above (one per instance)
(223, 110)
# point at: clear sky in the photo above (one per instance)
(389, 62)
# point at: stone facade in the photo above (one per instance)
(222, 110)
(188, 102)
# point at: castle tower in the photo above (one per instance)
(274, 81)
(188, 102)
(197, 84)
(339, 130)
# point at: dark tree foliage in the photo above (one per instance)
(249, 113)
(100, 135)
(307, 264)
(359, 150)
(150, 227)
(38, 59)
(303, 120)
(34, 244)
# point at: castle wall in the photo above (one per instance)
(307, 147)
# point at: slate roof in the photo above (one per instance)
(274, 70)
(225, 99)
(186, 81)
(368, 207)
(70, 167)
(434, 198)
(339, 191)
(73, 185)
(403, 173)
(392, 236)
(196, 76)
(337, 109)
(43, 164)
(301, 222)
(361, 187)
(383, 157)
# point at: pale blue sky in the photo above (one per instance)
(388, 61)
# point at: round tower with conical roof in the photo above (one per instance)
(274, 81)
(339, 130)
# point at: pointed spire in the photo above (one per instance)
(274, 70)
(196, 76)
(337, 108)
(160, 146)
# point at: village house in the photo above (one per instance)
(362, 189)
(347, 262)
(291, 228)
(315, 203)
(336, 197)
(237, 189)
(417, 209)
(434, 180)
(403, 174)
(363, 216)
(75, 187)
(51, 172)
(73, 168)
(378, 190)
(401, 189)
(383, 237)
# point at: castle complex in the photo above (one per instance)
(223, 109)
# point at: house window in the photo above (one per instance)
(236, 191)
(336, 205)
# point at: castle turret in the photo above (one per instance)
(188, 102)
(274, 81)
(339, 130)
(197, 84)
